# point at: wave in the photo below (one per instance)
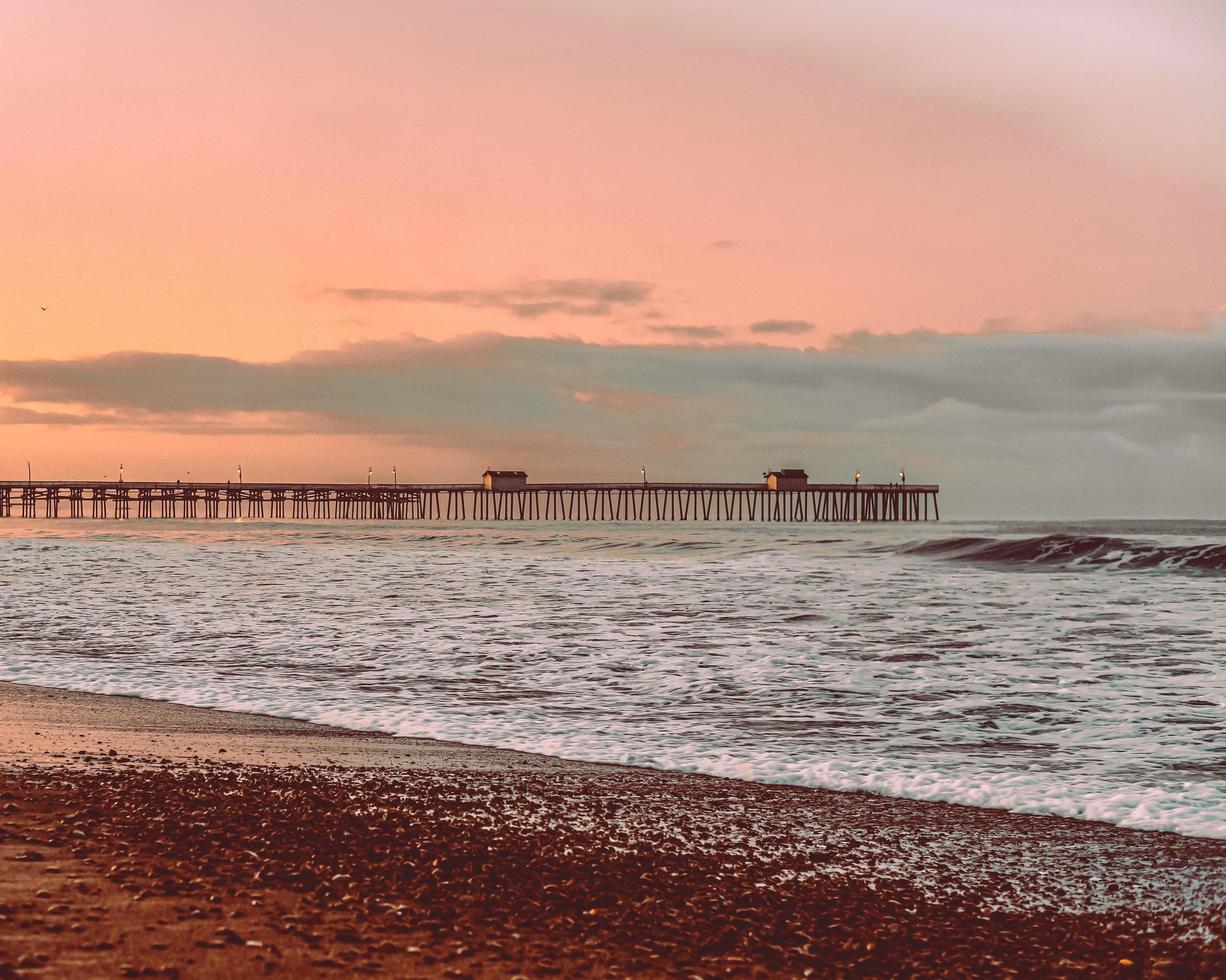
(1078, 551)
(794, 655)
(1189, 808)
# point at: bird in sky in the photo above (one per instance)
(43, 308)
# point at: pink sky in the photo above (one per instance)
(236, 179)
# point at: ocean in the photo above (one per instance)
(1076, 670)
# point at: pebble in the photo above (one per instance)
(539, 879)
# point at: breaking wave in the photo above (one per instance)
(1078, 551)
(815, 656)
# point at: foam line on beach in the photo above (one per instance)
(1015, 862)
(774, 656)
(1197, 810)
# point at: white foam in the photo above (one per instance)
(758, 653)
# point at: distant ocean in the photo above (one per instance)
(1057, 669)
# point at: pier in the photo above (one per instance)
(626, 502)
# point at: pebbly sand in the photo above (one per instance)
(143, 838)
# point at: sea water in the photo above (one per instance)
(1054, 669)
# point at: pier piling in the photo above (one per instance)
(629, 502)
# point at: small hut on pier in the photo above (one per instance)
(786, 479)
(504, 479)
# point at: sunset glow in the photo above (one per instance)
(347, 189)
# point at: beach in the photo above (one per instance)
(145, 838)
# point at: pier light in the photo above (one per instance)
(370, 474)
(395, 478)
(644, 470)
(857, 476)
(29, 473)
(240, 473)
(121, 472)
(902, 476)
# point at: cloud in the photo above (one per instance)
(1097, 323)
(11, 415)
(866, 343)
(528, 299)
(627, 400)
(687, 332)
(1015, 424)
(782, 326)
(723, 244)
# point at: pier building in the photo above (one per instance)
(504, 479)
(786, 479)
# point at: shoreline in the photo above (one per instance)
(548, 864)
(404, 750)
(333, 729)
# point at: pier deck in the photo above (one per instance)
(745, 502)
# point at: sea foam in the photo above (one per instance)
(903, 661)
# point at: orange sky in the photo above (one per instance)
(224, 178)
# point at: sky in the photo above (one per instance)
(983, 241)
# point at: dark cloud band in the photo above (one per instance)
(782, 327)
(527, 300)
(1027, 424)
(687, 332)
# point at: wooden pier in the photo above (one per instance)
(637, 502)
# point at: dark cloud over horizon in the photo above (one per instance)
(793, 327)
(684, 331)
(1012, 424)
(528, 299)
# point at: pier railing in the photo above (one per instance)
(748, 502)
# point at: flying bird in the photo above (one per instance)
(43, 308)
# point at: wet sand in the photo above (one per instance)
(141, 838)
